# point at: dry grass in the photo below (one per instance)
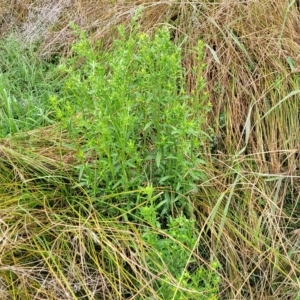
(254, 172)
(55, 244)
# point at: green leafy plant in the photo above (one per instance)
(137, 123)
(172, 252)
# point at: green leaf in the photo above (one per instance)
(165, 178)
(291, 63)
(147, 125)
(158, 158)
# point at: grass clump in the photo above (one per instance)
(25, 85)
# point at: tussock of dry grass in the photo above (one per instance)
(54, 243)
(35, 152)
(47, 256)
(254, 162)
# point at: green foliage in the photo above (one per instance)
(173, 252)
(136, 122)
(25, 85)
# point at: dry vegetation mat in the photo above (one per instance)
(149, 149)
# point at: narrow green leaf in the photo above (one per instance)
(158, 158)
